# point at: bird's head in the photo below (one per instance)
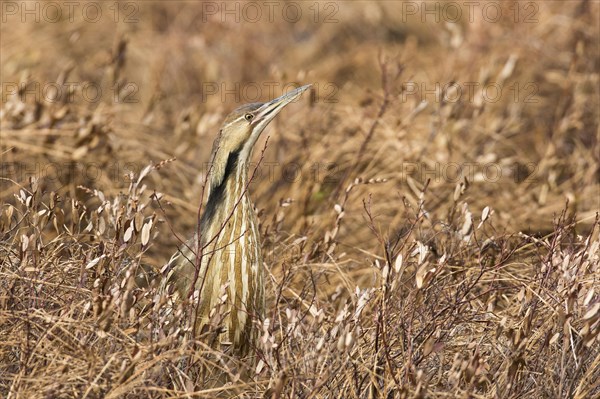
(240, 131)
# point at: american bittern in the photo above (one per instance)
(226, 253)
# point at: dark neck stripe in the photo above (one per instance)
(217, 192)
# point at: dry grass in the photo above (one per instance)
(390, 273)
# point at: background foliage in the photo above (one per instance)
(420, 239)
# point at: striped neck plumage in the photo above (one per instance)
(226, 191)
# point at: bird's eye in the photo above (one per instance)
(249, 117)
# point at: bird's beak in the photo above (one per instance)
(269, 110)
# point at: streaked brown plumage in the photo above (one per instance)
(229, 242)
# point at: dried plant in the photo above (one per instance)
(415, 246)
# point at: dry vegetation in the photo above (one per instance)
(390, 273)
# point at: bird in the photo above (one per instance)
(221, 265)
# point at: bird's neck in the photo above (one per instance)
(227, 198)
